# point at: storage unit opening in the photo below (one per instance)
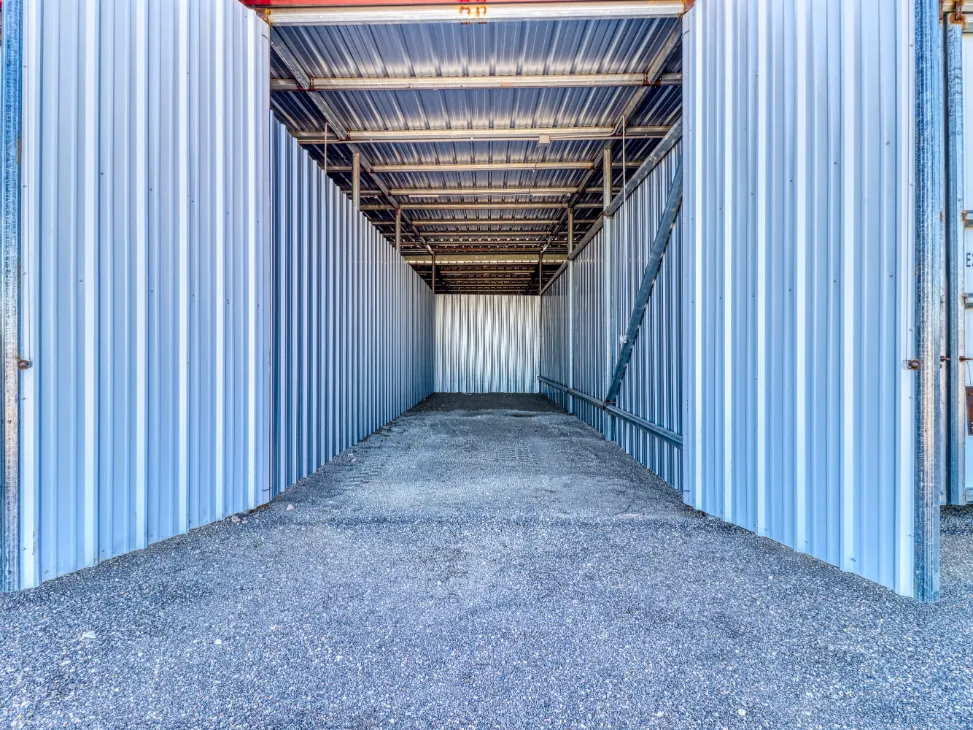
(279, 225)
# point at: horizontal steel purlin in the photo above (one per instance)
(665, 434)
(525, 81)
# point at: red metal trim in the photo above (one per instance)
(384, 3)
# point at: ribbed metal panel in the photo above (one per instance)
(145, 284)
(652, 387)
(353, 323)
(487, 343)
(799, 278)
(555, 329)
(590, 322)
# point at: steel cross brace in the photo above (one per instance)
(659, 244)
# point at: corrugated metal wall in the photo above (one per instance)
(487, 343)
(590, 319)
(799, 276)
(353, 323)
(651, 389)
(145, 286)
(555, 332)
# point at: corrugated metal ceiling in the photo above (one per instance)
(476, 50)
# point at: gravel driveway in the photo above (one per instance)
(485, 562)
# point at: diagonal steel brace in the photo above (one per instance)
(658, 249)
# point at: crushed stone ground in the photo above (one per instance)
(485, 562)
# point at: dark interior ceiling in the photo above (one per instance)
(481, 169)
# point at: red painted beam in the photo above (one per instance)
(382, 3)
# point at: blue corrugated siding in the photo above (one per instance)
(798, 276)
(145, 275)
(353, 323)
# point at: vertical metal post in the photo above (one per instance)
(398, 230)
(540, 271)
(570, 381)
(12, 129)
(606, 186)
(955, 275)
(356, 179)
(928, 318)
(434, 273)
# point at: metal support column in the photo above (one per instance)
(12, 122)
(607, 231)
(356, 179)
(540, 272)
(13, 13)
(398, 230)
(955, 274)
(571, 408)
(929, 243)
(434, 273)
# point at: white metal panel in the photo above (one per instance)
(145, 285)
(798, 276)
(353, 323)
(487, 343)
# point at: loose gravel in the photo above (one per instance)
(485, 562)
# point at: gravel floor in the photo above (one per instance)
(485, 562)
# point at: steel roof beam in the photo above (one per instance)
(439, 83)
(482, 206)
(454, 192)
(622, 131)
(276, 13)
(546, 134)
(483, 259)
(482, 166)
(436, 222)
(294, 65)
(457, 235)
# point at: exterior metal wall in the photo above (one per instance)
(353, 323)
(487, 343)
(799, 276)
(651, 389)
(145, 275)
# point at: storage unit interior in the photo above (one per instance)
(523, 201)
